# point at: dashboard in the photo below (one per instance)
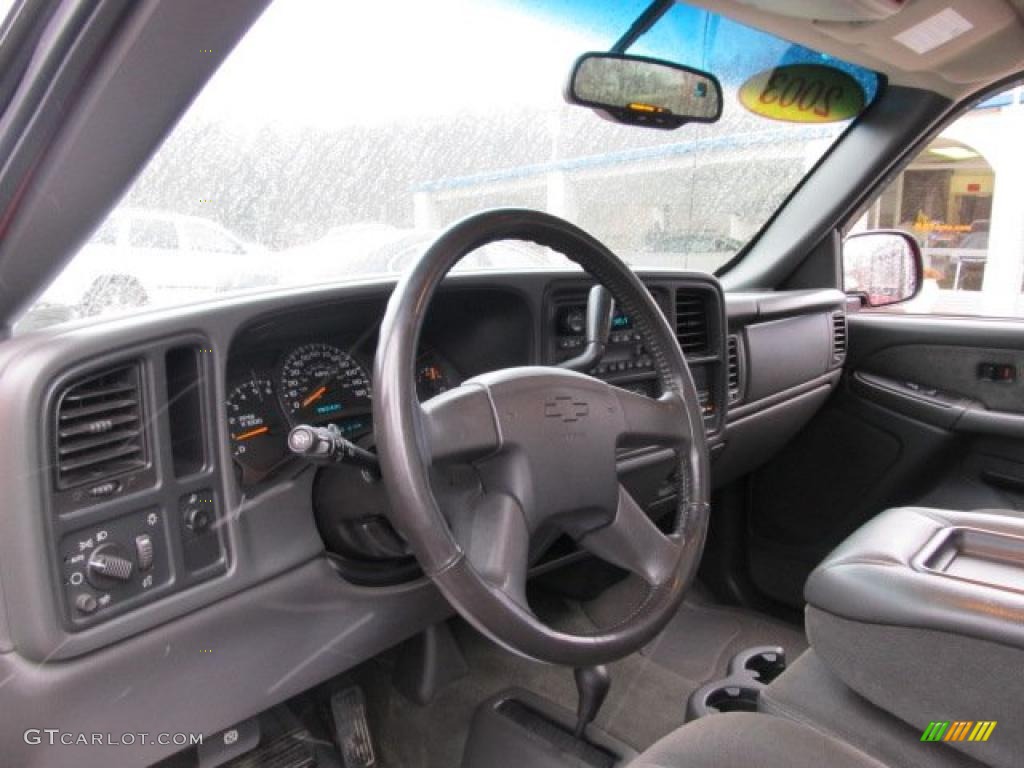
(154, 510)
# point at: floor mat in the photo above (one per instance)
(647, 698)
(704, 635)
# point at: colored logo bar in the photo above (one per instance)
(959, 730)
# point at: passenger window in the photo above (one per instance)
(962, 198)
(152, 233)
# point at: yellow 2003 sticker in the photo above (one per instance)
(803, 93)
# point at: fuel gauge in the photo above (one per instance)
(434, 376)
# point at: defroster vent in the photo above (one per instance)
(99, 424)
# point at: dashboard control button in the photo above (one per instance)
(198, 520)
(203, 548)
(86, 603)
(198, 512)
(144, 551)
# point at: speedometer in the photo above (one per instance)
(321, 383)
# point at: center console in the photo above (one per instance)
(921, 613)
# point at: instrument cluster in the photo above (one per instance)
(316, 383)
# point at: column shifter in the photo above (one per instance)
(592, 684)
(600, 310)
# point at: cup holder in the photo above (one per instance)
(750, 671)
(764, 662)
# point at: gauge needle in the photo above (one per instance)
(314, 397)
(252, 433)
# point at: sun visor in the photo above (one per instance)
(829, 10)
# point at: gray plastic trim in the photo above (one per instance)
(758, 306)
(752, 440)
(209, 670)
(739, 412)
(998, 423)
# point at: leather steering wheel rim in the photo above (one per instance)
(490, 422)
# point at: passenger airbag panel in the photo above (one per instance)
(786, 353)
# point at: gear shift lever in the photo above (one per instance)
(592, 684)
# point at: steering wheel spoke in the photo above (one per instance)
(648, 421)
(633, 542)
(496, 517)
(460, 425)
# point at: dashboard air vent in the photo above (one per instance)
(692, 323)
(838, 337)
(734, 369)
(99, 426)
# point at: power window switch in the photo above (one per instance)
(144, 551)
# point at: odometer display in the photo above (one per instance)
(320, 383)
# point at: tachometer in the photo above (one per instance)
(320, 383)
(256, 426)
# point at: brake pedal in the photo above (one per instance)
(352, 729)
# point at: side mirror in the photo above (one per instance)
(883, 267)
(640, 91)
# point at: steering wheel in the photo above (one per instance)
(543, 442)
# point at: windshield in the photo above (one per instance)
(339, 138)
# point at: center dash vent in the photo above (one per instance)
(734, 369)
(99, 425)
(838, 337)
(692, 323)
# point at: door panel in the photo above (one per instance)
(917, 420)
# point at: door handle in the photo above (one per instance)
(917, 401)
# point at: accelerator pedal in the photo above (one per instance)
(352, 729)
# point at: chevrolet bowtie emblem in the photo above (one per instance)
(565, 408)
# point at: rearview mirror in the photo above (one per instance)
(642, 91)
(882, 266)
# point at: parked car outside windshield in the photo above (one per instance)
(341, 160)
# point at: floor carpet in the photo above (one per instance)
(648, 694)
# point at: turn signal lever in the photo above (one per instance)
(326, 445)
(600, 309)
